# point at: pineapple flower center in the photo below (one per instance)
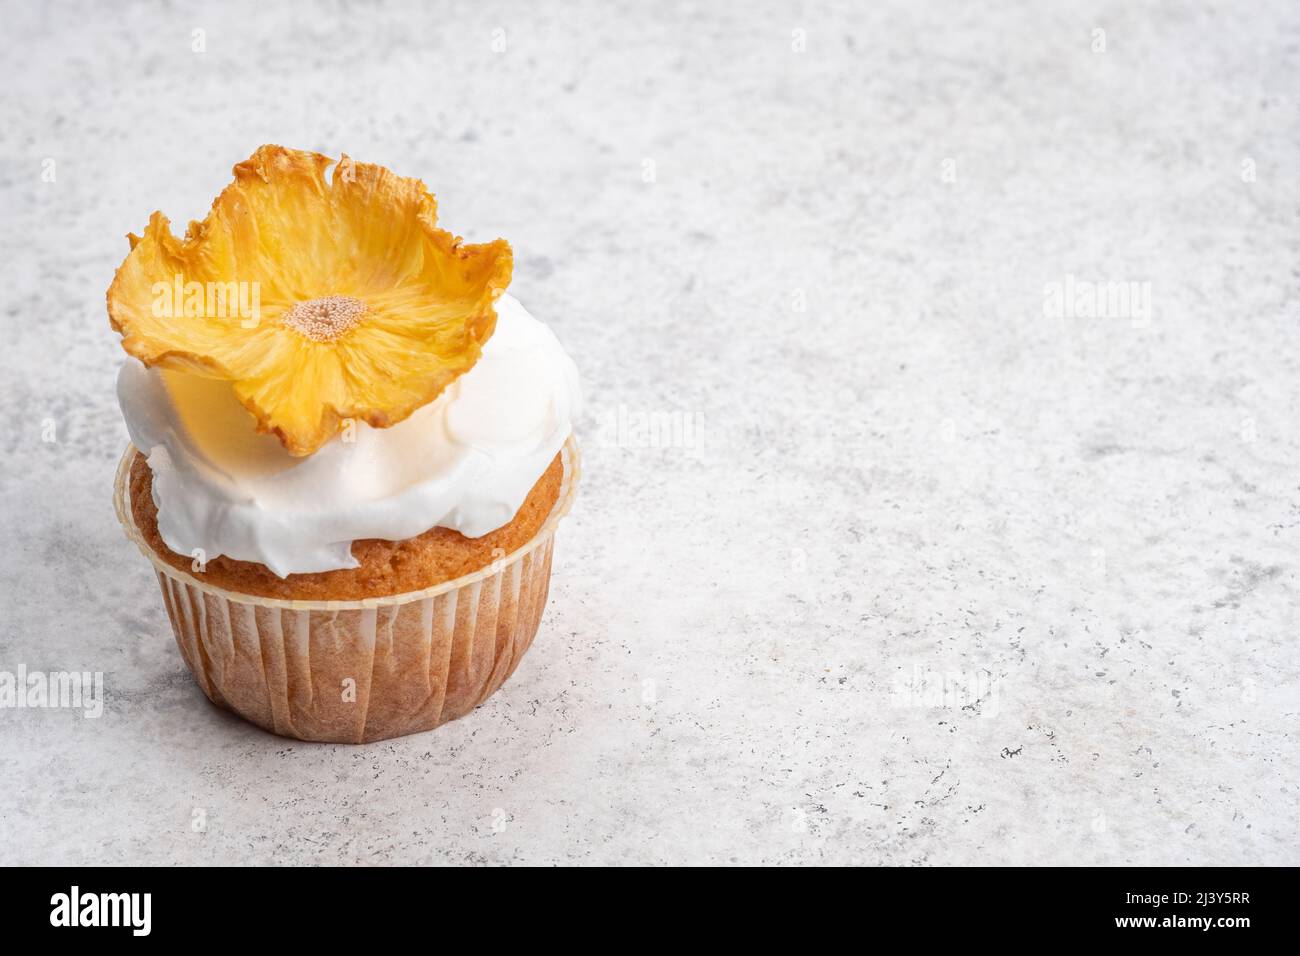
(325, 319)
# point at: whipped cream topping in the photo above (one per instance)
(465, 461)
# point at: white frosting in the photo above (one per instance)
(465, 461)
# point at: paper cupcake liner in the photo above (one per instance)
(362, 670)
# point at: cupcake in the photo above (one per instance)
(350, 449)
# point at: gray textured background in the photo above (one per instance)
(925, 575)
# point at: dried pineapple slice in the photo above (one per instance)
(318, 300)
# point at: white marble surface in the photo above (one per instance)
(890, 466)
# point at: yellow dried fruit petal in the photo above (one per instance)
(364, 308)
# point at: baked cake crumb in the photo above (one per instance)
(387, 567)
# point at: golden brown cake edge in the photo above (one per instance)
(386, 567)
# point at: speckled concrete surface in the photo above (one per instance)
(916, 564)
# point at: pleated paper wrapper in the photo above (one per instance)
(362, 670)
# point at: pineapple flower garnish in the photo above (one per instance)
(319, 301)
